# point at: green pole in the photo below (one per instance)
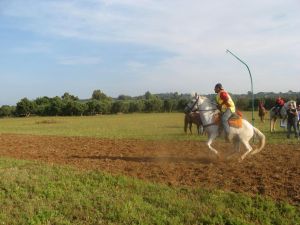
(251, 83)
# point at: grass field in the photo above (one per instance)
(152, 126)
(33, 193)
(36, 193)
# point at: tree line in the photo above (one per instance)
(100, 103)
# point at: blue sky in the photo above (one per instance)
(49, 47)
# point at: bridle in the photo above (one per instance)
(207, 110)
(200, 110)
(191, 108)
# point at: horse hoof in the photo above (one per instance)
(240, 160)
(230, 157)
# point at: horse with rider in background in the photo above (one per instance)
(262, 111)
(279, 111)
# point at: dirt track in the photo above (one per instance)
(274, 172)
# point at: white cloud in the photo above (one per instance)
(184, 27)
(264, 33)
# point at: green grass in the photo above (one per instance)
(152, 126)
(32, 193)
(140, 126)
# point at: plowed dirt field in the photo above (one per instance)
(274, 172)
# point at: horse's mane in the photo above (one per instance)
(207, 101)
(204, 98)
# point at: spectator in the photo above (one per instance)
(298, 123)
(292, 121)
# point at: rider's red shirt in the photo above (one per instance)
(224, 96)
(280, 101)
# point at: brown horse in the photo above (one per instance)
(189, 119)
(262, 112)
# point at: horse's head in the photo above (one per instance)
(191, 106)
(199, 103)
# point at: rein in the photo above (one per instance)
(208, 125)
(206, 110)
(191, 108)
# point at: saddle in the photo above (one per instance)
(234, 121)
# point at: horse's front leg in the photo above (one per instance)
(201, 129)
(211, 138)
(272, 125)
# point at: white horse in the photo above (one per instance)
(208, 111)
(282, 114)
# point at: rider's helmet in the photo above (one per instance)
(219, 85)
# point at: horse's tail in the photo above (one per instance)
(262, 140)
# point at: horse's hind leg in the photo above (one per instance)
(185, 125)
(198, 130)
(190, 127)
(272, 123)
(249, 149)
(236, 148)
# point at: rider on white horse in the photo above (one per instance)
(237, 135)
(225, 105)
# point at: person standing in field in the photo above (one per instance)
(292, 121)
(225, 105)
(298, 123)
